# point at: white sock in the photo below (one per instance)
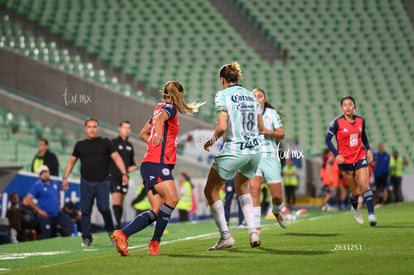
(217, 211)
(257, 212)
(247, 207)
(13, 233)
(277, 208)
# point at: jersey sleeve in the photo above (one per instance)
(76, 151)
(220, 103)
(276, 120)
(170, 109)
(34, 191)
(110, 147)
(333, 127)
(364, 136)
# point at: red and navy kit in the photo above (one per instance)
(350, 137)
(166, 152)
(159, 160)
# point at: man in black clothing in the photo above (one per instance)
(45, 157)
(95, 154)
(126, 151)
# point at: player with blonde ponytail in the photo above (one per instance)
(160, 133)
(239, 119)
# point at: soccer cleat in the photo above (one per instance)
(357, 215)
(280, 220)
(86, 242)
(223, 243)
(154, 247)
(121, 242)
(259, 230)
(254, 239)
(372, 220)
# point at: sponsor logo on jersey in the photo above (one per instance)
(238, 98)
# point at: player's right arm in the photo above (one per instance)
(71, 163)
(220, 130)
(145, 132)
(222, 117)
(333, 128)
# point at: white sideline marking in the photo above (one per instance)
(8, 256)
(11, 256)
(319, 217)
(206, 236)
(49, 265)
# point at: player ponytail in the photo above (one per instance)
(267, 104)
(231, 72)
(174, 90)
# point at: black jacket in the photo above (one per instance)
(50, 160)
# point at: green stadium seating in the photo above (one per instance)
(19, 135)
(335, 48)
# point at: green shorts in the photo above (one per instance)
(228, 165)
(270, 169)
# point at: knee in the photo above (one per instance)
(172, 202)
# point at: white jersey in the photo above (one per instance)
(268, 145)
(242, 134)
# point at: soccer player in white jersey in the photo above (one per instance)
(239, 119)
(269, 169)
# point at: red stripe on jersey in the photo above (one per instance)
(349, 139)
(166, 152)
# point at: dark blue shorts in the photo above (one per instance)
(353, 166)
(153, 173)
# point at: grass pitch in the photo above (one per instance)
(316, 243)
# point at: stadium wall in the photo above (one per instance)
(22, 182)
(407, 187)
(50, 117)
(77, 94)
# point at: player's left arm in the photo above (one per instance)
(366, 143)
(277, 132)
